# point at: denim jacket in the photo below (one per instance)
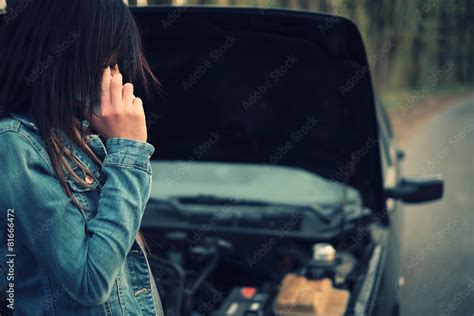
(58, 259)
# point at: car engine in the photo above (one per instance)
(255, 264)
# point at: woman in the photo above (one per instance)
(75, 163)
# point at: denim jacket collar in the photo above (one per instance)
(27, 120)
(93, 139)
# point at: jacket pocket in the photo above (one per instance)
(87, 196)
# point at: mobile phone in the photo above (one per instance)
(96, 108)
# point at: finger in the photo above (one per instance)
(116, 89)
(138, 104)
(105, 93)
(128, 94)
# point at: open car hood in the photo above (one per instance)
(263, 86)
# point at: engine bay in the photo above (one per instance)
(220, 267)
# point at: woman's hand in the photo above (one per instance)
(121, 113)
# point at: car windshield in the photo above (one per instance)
(272, 184)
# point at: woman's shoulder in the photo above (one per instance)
(13, 122)
(19, 136)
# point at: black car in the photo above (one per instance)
(276, 175)
(276, 172)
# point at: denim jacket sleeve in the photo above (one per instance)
(83, 257)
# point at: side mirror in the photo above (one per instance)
(418, 190)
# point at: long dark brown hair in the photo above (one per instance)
(53, 53)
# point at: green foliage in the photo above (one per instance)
(424, 36)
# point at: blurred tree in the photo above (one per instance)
(422, 36)
(409, 40)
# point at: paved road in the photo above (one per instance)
(438, 243)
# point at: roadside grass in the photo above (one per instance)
(394, 100)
